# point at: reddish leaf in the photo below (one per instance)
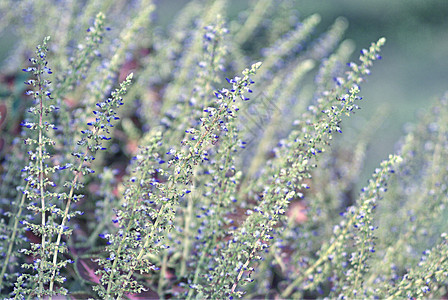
(144, 295)
(297, 211)
(3, 111)
(86, 269)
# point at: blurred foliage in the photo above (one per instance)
(416, 56)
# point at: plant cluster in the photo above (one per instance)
(204, 160)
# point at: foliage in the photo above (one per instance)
(138, 163)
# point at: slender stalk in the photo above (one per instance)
(162, 209)
(187, 236)
(41, 186)
(13, 236)
(210, 244)
(359, 267)
(289, 289)
(253, 21)
(61, 227)
(173, 180)
(114, 265)
(246, 264)
(161, 283)
(140, 255)
(141, 252)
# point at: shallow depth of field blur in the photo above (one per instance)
(412, 74)
(414, 69)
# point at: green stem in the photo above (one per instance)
(253, 21)
(162, 276)
(173, 180)
(41, 188)
(359, 267)
(211, 242)
(341, 236)
(186, 243)
(162, 209)
(114, 265)
(140, 255)
(287, 292)
(246, 264)
(200, 263)
(142, 250)
(13, 236)
(61, 228)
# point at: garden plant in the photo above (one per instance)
(204, 160)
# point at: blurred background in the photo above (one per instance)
(409, 78)
(411, 75)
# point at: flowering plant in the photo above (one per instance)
(205, 162)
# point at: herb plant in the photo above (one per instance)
(204, 160)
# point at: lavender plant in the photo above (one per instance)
(219, 173)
